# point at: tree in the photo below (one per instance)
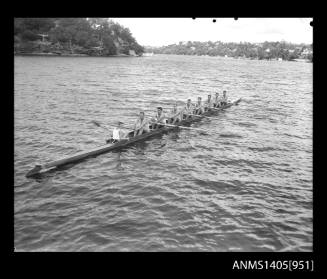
(19, 26)
(82, 38)
(126, 35)
(36, 24)
(28, 35)
(138, 48)
(310, 57)
(109, 45)
(71, 30)
(76, 33)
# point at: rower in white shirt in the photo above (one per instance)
(199, 107)
(217, 100)
(188, 109)
(175, 115)
(208, 103)
(141, 125)
(224, 99)
(159, 118)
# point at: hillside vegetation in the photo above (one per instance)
(85, 36)
(266, 50)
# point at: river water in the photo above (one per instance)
(245, 187)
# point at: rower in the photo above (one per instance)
(175, 115)
(174, 109)
(224, 98)
(208, 103)
(117, 134)
(159, 118)
(199, 107)
(217, 100)
(141, 125)
(188, 109)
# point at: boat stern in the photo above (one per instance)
(34, 171)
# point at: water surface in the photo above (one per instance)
(245, 187)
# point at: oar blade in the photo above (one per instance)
(96, 123)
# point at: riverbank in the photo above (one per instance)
(240, 58)
(69, 54)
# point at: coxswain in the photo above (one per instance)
(188, 109)
(141, 125)
(199, 107)
(159, 118)
(117, 134)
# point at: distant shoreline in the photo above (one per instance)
(239, 58)
(51, 54)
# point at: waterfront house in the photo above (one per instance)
(306, 51)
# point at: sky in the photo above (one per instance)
(165, 31)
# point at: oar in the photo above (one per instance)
(96, 123)
(127, 127)
(184, 127)
(220, 108)
(199, 115)
(217, 108)
(105, 128)
(99, 125)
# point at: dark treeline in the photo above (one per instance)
(266, 50)
(88, 36)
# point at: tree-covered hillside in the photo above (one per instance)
(266, 50)
(88, 36)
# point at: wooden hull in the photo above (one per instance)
(109, 147)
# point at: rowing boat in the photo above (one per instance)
(131, 139)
